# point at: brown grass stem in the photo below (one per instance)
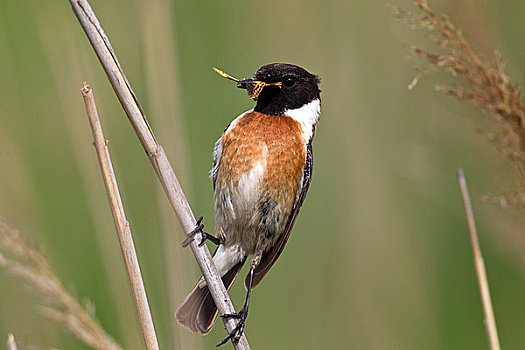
(21, 260)
(490, 321)
(11, 344)
(158, 158)
(122, 225)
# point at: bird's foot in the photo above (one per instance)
(199, 228)
(236, 333)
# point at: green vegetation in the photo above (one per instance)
(380, 255)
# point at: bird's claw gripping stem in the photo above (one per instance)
(236, 333)
(199, 228)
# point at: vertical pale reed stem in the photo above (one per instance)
(119, 217)
(490, 321)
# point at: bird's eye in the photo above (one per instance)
(289, 81)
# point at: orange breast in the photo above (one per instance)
(275, 141)
(261, 165)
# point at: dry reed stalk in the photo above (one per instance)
(490, 321)
(11, 344)
(68, 62)
(482, 83)
(21, 260)
(158, 158)
(121, 223)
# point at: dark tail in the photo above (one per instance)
(198, 311)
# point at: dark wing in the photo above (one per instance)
(269, 258)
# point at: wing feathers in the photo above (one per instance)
(271, 256)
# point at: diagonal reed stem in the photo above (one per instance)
(158, 158)
(122, 225)
(490, 321)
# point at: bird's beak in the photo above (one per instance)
(243, 84)
(254, 87)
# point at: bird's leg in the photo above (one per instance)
(199, 228)
(236, 334)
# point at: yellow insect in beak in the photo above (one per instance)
(252, 86)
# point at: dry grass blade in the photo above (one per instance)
(490, 321)
(21, 260)
(484, 84)
(119, 217)
(170, 183)
(11, 344)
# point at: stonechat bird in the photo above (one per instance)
(262, 167)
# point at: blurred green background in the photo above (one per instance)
(379, 257)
